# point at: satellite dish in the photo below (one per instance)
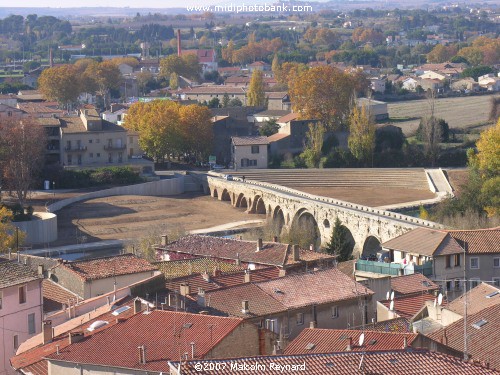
(391, 306)
(387, 295)
(440, 299)
(435, 302)
(392, 295)
(361, 339)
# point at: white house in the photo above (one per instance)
(249, 152)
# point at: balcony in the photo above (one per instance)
(75, 149)
(393, 269)
(115, 147)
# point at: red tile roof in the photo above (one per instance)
(102, 268)
(315, 340)
(391, 325)
(483, 343)
(408, 306)
(287, 118)
(166, 336)
(289, 292)
(272, 253)
(414, 362)
(250, 140)
(204, 55)
(410, 284)
(14, 273)
(477, 299)
(423, 241)
(480, 241)
(55, 296)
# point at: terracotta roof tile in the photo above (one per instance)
(13, 273)
(392, 325)
(165, 334)
(483, 343)
(410, 284)
(186, 267)
(250, 140)
(476, 299)
(414, 362)
(408, 306)
(482, 241)
(315, 340)
(55, 296)
(101, 268)
(423, 241)
(288, 118)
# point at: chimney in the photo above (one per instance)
(206, 276)
(295, 253)
(282, 272)
(244, 307)
(311, 247)
(248, 277)
(164, 240)
(142, 354)
(192, 349)
(75, 337)
(40, 270)
(277, 350)
(238, 261)
(259, 244)
(179, 52)
(48, 333)
(201, 297)
(275, 238)
(216, 272)
(349, 346)
(137, 305)
(185, 289)
(313, 324)
(405, 343)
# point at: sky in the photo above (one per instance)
(96, 3)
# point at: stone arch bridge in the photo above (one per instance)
(368, 226)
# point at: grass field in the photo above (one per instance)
(460, 113)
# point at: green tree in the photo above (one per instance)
(225, 100)
(103, 77)
(339, 242)
(256, 95)
(314, 143)
(361, 134)
(186, 66)
(8, 236)
(213, 103)
(174, 81)
(236, 102)
(269, 128)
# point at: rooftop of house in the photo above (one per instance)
(399, 324)
(315, 340)
(271, 253)
(8, 108)
(31, 358)
(408, 306)
(246, 79)
(186, 267)
(75, 125)
(204, 55)
(49, 121)
(289, 292)
(215, 280)
(13, 273)
(259, 63)
(287, 118)
(166, 335)
(423, 241)
(410, 284)
(277, 137)
(250, 140)
(39, 108)
(214, 89)
(272, 113)
(101, 268)
(368, 101)
(276, 94)
(482, 333)
(478, 298)
(394, 362)
(55, 296)
(479, 241)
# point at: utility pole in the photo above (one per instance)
(466, 355)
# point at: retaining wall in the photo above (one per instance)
(41, 230)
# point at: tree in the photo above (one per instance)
(314, 144)
(488, 152)
(443, 128)
(276, 67)
(269, 128)
(213, 103)
(289, 71)
(339, 243)
(197, 130)
(8, 236)
(103, 77)
(323, 93)
(361, 134)
(225, 100)
(61, 83)
(255, 95)
(441, 53)
(22, 143)
(174, 81)
(236, 102)
(144, 79)
(186, 66)
(476, 71)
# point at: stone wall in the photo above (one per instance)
(43, 229)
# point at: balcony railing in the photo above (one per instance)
(114, 147)
(75, 148)
(393, 269)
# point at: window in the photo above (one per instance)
(335, 312)
(457, 284)
(496, 282)
(474, 263)
(448, 285)
(252, 163)
(474, 282)
(31, 324)
(90, 140)
(16, 342)
(271, 324)
(79, 159)
(457, 260)
(244, 162)
(91, 155)
(1, 299)
(9, 114)
(120, 157)
(98, 155)
(300, 319)
(448, 261)
(255, 149)
(110, 158)
(70, 160)
(496, 262)
(22, 294)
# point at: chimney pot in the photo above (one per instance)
(185, 289)
(259, 244)
(217, 272)
(311, 247)
(137, 306)
(405, 342)
(349, 346)
(164, 240)
(244, 307)
(313, 324)
(248, 277)
(295, 253)
(201, 298)
(40, 270)
(48, 333)
(75, 337)
(206, 276)
(142, 354)
(275, 238)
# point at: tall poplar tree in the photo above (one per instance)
(255, 95)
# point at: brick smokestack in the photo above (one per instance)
(179, 51)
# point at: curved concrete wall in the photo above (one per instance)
(172, 186)
(41, 230)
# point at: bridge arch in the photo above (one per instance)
(241, 201)
(304, 229)
(258, 207)
(372, 245)
(278, 219)
(213, 193)
(225, 196)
